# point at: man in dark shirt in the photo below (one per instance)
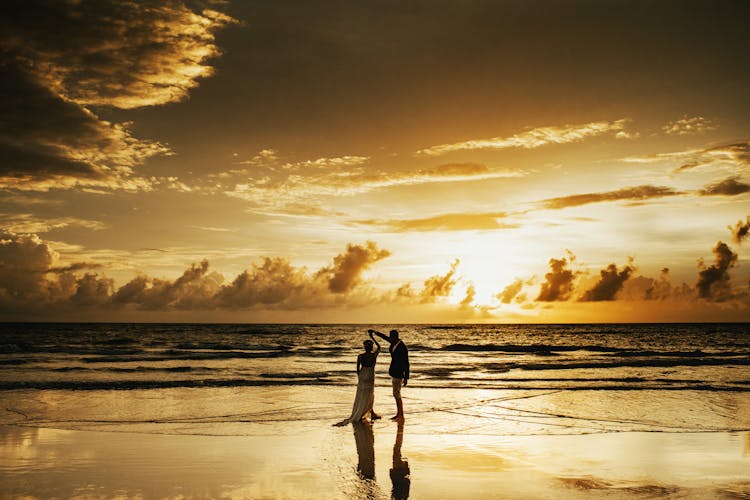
(399, 369)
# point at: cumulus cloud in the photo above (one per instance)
(688, 125)
(29, 279)
(610, 283)
(536, 137)
(658, 289)
(194, 289)
(714, 281)
(32, 280)
(558, 283)
(348, 267)
(60, 59)
(637, 193)
(471, 293)
(445, 222)
(273, 282)
(728, 187)
(740, 230)
(511, 291)
(439, 285)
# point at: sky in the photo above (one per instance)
(388, 162)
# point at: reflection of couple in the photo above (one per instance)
(399, 472)
(399, 372)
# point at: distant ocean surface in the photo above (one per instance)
(711, 357)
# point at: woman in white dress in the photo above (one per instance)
(365, 398)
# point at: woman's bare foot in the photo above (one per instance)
(374, 416)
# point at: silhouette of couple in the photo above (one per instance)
(399, 372)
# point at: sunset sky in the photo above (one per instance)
(428, 161)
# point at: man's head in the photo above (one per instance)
(394, 335)
(368, 345)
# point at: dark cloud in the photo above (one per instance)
(728, 187)
(610, 283)
(558, 284)
(76, 266)
(31, 281)
(194, 289)
(656, 289)
(273, 282)
(113, 53)
(631, 193)
(347, 267)
(714, 281)
(446, 222)
(740, 230)
(60, 59)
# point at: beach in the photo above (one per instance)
(278, 442)
(492, 411)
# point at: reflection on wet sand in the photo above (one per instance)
(400, 472)
(365, 441)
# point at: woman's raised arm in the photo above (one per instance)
(377, 344)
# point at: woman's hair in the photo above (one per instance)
(368, 345)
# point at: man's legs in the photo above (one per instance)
(396, 383)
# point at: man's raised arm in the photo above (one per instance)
(382, 336)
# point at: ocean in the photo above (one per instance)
(68, 356)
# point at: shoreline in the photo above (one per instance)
(276, 442)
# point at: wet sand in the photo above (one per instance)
(278, 442)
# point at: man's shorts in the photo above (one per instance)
(397, 383)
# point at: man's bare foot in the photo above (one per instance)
(374, 416)
(397, 418)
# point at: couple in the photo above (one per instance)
(399, 372)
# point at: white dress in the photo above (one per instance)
(365, 397)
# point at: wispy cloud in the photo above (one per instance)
(637, 193)
(445, 222)
(728, 187)
(735, 156)
(276, 189)
(29, 223)
(688, 125)
(536, 137)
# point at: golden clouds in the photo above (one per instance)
(445, 222)
(688, 125)
(536, 137)
(735, 156)
(347, 267)
(121, 54)
(274, 184)
(32, 281)
(637, 193)
(62, 58)
(29, 223)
